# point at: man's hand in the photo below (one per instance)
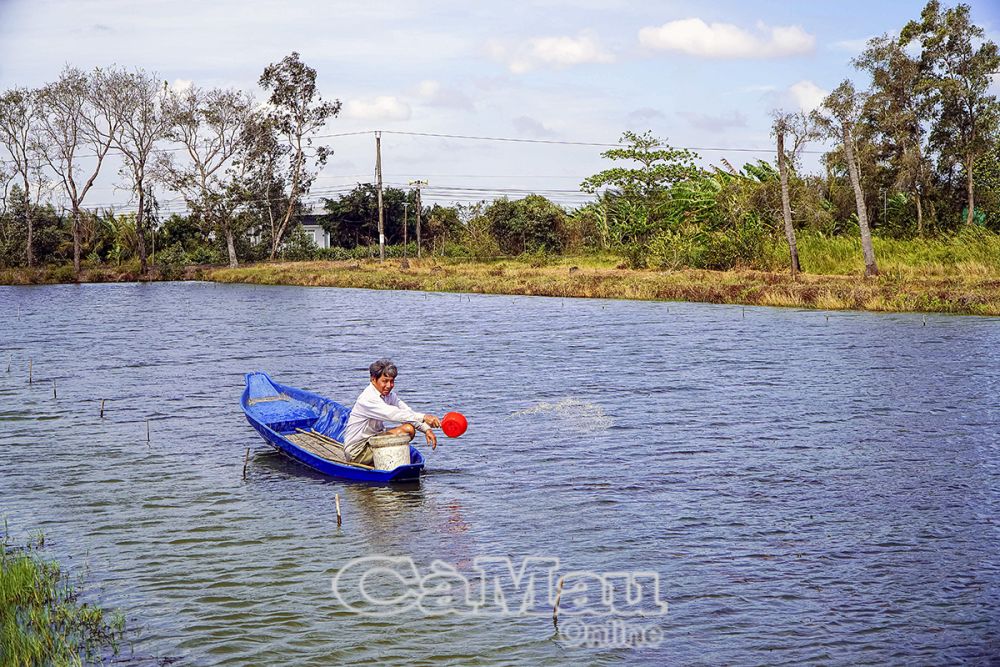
(431, 438)
(432, 421)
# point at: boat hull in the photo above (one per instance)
(276, 411)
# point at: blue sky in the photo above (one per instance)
(699, 74)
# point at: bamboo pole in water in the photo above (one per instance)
(30, 361)
(102, 408)
(54, 389)
(555, 607)
(336, 499)
(147, 431)
(246, 458)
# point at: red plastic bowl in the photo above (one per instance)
(454, 424)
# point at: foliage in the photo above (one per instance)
(217, 129)
(956, 66)
(478, 237)
(42, 621)
(905, 149)
(298, 245)
(659, 166)
(526, 225)
(296, 111)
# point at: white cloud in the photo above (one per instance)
(725, 40)
(854, 46)
(531, 127)
(180, 85)
(428, 89)
(645, 115)
(807, 94)
(434, 94)
(383, 107)
(558, 52)
(711, 123)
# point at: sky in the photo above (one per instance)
(702, 75)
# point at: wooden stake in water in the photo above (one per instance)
(336, 499)
(10, 360)
(147, 431)
(53, 389)
(246, 458)
(29, 371)
(555, 607)
(102, 408)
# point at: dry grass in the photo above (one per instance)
(54, 275)
(977, 293)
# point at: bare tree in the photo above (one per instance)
(212, 126)
(297, 110)
(800, 128)
(7, 176)
(135, 99)
(840, 114)
(265, 186)
(19, 111)
(73, 118)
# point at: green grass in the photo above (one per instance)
(958, 274)
(979, 295)
(970, 253)
(42, 621)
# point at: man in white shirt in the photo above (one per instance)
(379, 403)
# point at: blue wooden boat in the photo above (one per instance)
(309, 428)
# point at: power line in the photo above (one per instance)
(116, 151)
(469, 137)
(578, 143)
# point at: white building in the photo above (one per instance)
(314, 230)
(319, 236)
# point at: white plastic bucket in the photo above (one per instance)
(390, 451)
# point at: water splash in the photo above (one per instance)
(572, 413)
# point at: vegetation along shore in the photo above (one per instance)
(42, 620)
(904, 214)
(960, 275)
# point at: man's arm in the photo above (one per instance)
(425, 422)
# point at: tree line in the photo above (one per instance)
(914, 153)
(242, 168)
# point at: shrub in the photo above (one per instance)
(298, 246)
(677, 248)
(172, 260)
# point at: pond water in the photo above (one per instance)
(808, 486)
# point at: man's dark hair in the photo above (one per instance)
(383, 367)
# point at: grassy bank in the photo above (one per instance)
(41, 620)
(63, 273)
(977, 293)
(958, 274)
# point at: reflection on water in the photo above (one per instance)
(810, 489)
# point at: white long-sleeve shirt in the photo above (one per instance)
(371, 409)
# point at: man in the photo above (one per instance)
(379, 403)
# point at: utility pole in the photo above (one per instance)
(418, 184)
(406, 209)
(381, 213)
